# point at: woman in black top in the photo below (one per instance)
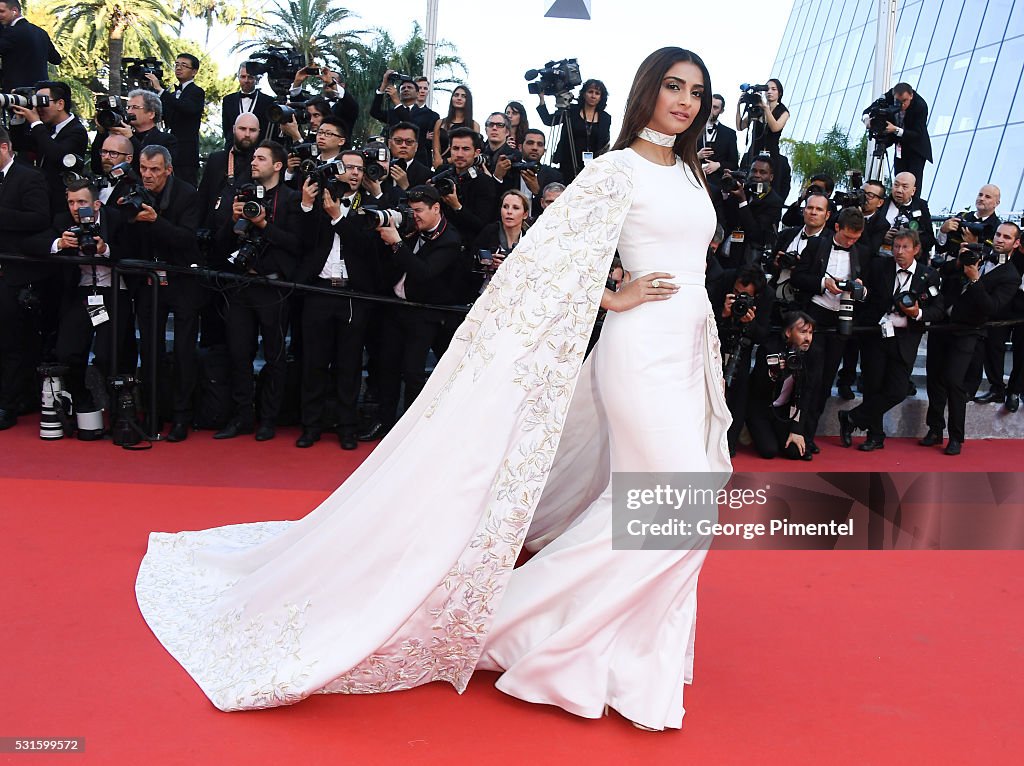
(460, 115)
(765, 130)
(590, 127)
(516, 114)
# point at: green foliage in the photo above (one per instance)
(833, 155)
(307, 26)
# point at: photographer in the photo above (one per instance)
(533, 180)
(24, 48)
(971, 300)
(751, 213)
(335, 95)
(408, 108)
(497, 148)
(716, 148)
(183, 114)
(54, 133)
(424, 268)
(761, 109)
(248, 99)
(820, 183)
(903, 295)
(954, 233)
(264, 233)
(795, 245)
(472, 204)
(226, 170)
(146, 109)
(1015, 383)
(779, 387)
(743, 321)
(84, 316)
(343, 252)
(23, 216)
(588, 131)
(832, 277)
(907, 127)
(875, 223)
(405, 170)
(904, 210)
(116, 150)
(396, 91)
(164, 230)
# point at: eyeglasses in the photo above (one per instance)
(872, 195)
(494, 125)
(136, 108)
(112, 153)
(329, 133)
(182, 65)
(405, 141)
(350, 168)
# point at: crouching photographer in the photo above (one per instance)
(86, 228)
(263, 236)
(779, 386)
(744, 305)
(469, 194)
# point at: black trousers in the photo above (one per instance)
(335, 331)
(949, 356)
(848, 373)
(824, 357)
(19, 348)
(407, 335)
(910, 163)
(186, 173)
(184, 298)
(990, 356)
(255, 311)
(887, 365)
(1015, 385)
(77, 336)
(736, 397)
(769, 434)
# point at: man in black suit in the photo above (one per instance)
(819, 183)
(142, 132)
(910, 129)
(835, 263)
(24, 48)
(953, 233)
(474, 203)
(751, 219)
(183, 114)
(905, 210)
(247, 99)
(405, 171)
(24, 210)
(255, 310)
(335, 97)
(903, 295)
(390, 97)
(971, 300)
(875, 223)
(341, 251)
(533, 182)
(228, 169)
(115, 150)
(54, 133)
(424, 269)
(716, 147)
(801, 240)
(166, 232)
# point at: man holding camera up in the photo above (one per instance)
(751, 211)
(971, 299)
(163, 229)
(833, 278)
(794, 245)
(977, 225)
(145, 107)
(337, 99)
(87, 228)
(263, 235)
(396, 91)
(55, 133)
(876, 225)
(533, 180)
(405, 170)
(471, 197)
(779, 388)
(183, 114)
(908, 127)
(903, 210)
(903, 295)
(342, 252)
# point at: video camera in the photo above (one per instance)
(279, 64)
(400, 216)
(111, 112)
(397, 78)
(134, 71)
(136, 195)
(751, 95)
(554, 78)
(87, 231)
(855, 196)
(880, 114)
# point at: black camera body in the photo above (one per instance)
(279, 64)
(251, 196)
(976, 252)
(531, 165)
(733, 180)
(307, 152)
(855, 289)
(397, 78)
(111, 112)
(136, 194)
(792, 360)
(554, 78)
(283, 110)
(87, 231)
(327, 177)
(445, 181)
(374, 152)
(742, 303)
(134, 71)
(789, 259)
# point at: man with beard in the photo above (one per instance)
(229, 168)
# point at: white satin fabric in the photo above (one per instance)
(397, 578)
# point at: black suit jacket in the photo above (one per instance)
(726, 151)
(215, 181)
(756, 330)
(283, 234)
(759, 222)
(361, 248)
(984, 299)
(171, 238)
(183, 116)
(24, 214)
(915, 138)
(49, 151)
(880, 279)
(920, 220)
(435, 273)
(875, 228)
(479, 198)
(811, 270)
(25, 49)
(764, 390)
(112, 231)
(424, 118)
(231, 107)
(346, 109)
(418, 174)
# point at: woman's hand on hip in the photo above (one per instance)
(650, 287)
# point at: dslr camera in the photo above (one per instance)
(23, 97)
(251, 196)
(282, 111)
(975, 253)
(742, 303)
(554, 78)
(374, 152)
(855, 289)
(400, 216)
(397, 78)
(87, 231)
(111, 112)
(791, 360)
(326, 177)
(307, 153)
(136, 195)
(250, 239)
(134, 71)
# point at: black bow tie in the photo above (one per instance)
(837, 246)
(903, 271)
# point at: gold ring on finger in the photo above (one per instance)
(656, 283)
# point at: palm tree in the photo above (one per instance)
(833, 154)
(409, 58)
(306, 27)
(212, 11)
(99, 24)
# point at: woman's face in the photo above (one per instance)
(773, 92)
(512, 212)
(513, 116)
(679, 98)
(592, 97)
(459, 98)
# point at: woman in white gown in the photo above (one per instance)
(404, 575)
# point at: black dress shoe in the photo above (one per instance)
(309, 437)
(911, 390)
(7, 420)
(265, 432)
(993, 396)
(931, 439)
(233, 429)
(813, 448)
(846, 392)
(846, 428)
(178, 432)
(1013, 402)
(375, 431)
(953, 448)
(871, 445)
(348, 440)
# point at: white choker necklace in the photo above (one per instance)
(656, 138)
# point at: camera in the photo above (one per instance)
(307, 153)
(445, 181)
(751, 94)
(87, 231)
(789, 259)
(111, 112)
(124, 418)
(397, 78)
(374, 152)
(733, 180)
(531, 165)
(24, 97)
(976, 252)
(279, 64)
(554, 78)
(854, 198)
(56, 408)
(326, 177)
(741, 304)
(855, 289)
(400, 217)
(880, 114)
(906, 299)
(251, 197)
(134, 71)
(74, 168)
(136, 195)
(791, 360)
(282, 112)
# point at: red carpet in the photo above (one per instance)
(819, 657)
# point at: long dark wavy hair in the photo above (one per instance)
(524, 122)
(467, 112)
(643, 96)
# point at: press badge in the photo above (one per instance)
(95, 300)
(737, 237)
(587, 157)
(887, 329)
(98, 315)
(899, 151)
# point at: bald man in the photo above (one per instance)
(952, 234)
(115, 150)
(229, 167)
(902, 209)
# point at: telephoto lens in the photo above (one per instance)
(55, 405)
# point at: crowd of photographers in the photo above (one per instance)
(424, 215)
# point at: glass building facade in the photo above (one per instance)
(965, 57)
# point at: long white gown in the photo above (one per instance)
(404, 574)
